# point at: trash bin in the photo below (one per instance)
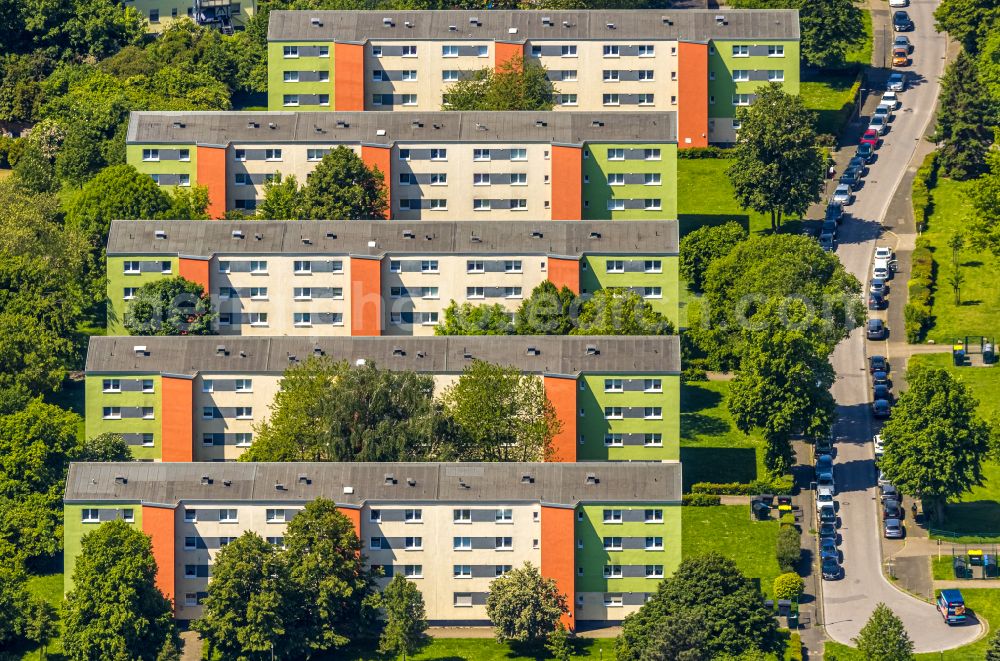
(784, 606)
(989, 354)
(793, 621)
(959, 357)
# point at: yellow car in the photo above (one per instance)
(900, 58)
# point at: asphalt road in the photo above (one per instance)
(847, 603)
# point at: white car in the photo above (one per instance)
(843, 195)
(883, 252)
(877, 123)
(824, 497)
(826, 482)
(883, 110)
(899, 3)
(879, 444)
(890, 99)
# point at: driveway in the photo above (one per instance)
(847, 603)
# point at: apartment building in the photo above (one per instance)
(606, 533)
(701, 64)
(225, 15)
(181, 399)
(384, 277)
(437, 165)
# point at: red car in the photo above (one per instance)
(870, 137)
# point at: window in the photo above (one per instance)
(324, 51)
(90, 515)
(183, 180)
(112, 385)
(568, 75)
(147, 412)
(613, 413)
(611, 100)
(647, 50)
(291, 76)
(645, 99)
(314, 154)
(480, 154)
(462, 516)
(290, 51)
(775, 51)
(408, 99)
(413, 516)
(462, 571)
(611, 51)
(567, 99)
(741, 51)
(616, 154)
(147, 386)
(410, 75)
(190, 516)
(653, 516)
(301, 319)
(651, 204)
(258, 293)
(651, 154)
(481, 179)
(519, 154)
(244, 439)
(302, 293)
(463, 599)
(112, 413)
(504, 543)
(165, 267)
(504, 515)
(449, 51)
(375, 543)
(612, 543)
(652, 440)
(612, 600)
(646, 75)
(154, 15)
(614, 385)
(654, 571)
(394, 266)
(128, 293)
(413, 571)
(652, 292)
(258, 266)
(439, 154)
(375, 516)
(289, 100)
(275, 516)
(500, 570)
(430, 293)
(616, 179)
(613, 441)
(567, 51)
(519, 204)
(652, 413)
(512, 266)
(429, 266)
(242, 179)
(209, 412)
(228, 516)
(409, 51)
(449, 75)
(376, 51)
(276, 541)
(611, 75)
(413, 543)
(482, 51)
(616, 205)
(131, 268)
(775, 75)
(612, 571)
(462, 544)
(272, 154)
(475, 292)
(155, 178)
(652, 265)
(439, 179)
(480, 205)
(740, 75)
(475, 266)
(150, 154)
(615, 266)
(244, 413)
(652, 385)
(612, 516)
(302, 267)
(190, 543)
(741, 99)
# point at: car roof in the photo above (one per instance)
(952, 595)
(874, 322)
(892, 523)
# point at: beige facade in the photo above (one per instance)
(226, 408)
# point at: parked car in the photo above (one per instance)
(824, 466)
(878, 364)
(893, 529)
(824, 496)
(891, 99)
(851, 177)
(884, 252)
(883, 110)
(881, 409)
(877, 301)
(878, 286)
(951, 605)
(825, 481)
(843, 195)
(883, 268)
(904, 41)
(886, 489)
(876, 329)
(829, 531)
(828, 514)
(897, 82)
(901, 22)
(870, 137)
(879, 444)
(824, 445)
(891, 509)
(881, 379)
(828, 242)
(900, 57)
(866, 152)
(828, 549)
(883, 481)
(878, 124)
(898, 3)
(881, 391)
(834, 212)
(831, 569)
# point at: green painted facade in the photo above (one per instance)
(133, 156)
(722, 63)
(97, 399)
(118, 281)
(74, 529)
(160, 13)
(597, 192)
(594, 275)
(592, 426)
(278, 64)
(592, 557)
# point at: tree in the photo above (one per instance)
(789, 548)
(524, 607)
(829, 28)
(884, 637)
(16, 626)
(170, 306)
(502, 414)
(332, 411)
(681, 637)
(559, 644)
(935, 442)
(514, 85)
(328, 578)
(984, 224)
(546, 311)
(281, 199)
(248, 603)
(716, 596)
(342, 187)
(615, 311)
(778, 169)
(103, 447)
(956, 242)
(993, 651)
(40, 625)
(967, 21)
(405, 618)
(703, 246)
(469, 319)
(115, 610)
(967, 119)
(788, 585)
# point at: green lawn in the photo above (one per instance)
(50, 588)
(830, 92)
(985, 603)
(728, 530)
(712, 449)
(979, 312)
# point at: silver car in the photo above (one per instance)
(897, 82)
(878, 124)
(893, 529)
(843, 194)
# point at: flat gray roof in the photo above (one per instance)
(519, 26)
(379, 237)
(550, 483)
(387, 128)
(564, 355)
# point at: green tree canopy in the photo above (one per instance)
(119, 192)
(103, 447)
(115, 610)
(993, 650)
(502, 414)
(935, 442)
(469, 319)
(332, 411)
(884, 637)
(967, 21)
(405, 618)
(828, 29)
(778, 168)
(705, 245)
(546, 311)
(711, 591)
(342, 187)
(514, 85)
(985, 218)
(967, 119)
(281, 199)
(615, 311)
(524, 607)
(170, 306)
(27, 618)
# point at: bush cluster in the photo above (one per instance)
(917, 313)
(788, 551)
(705, 152)
(701, 500)
(779, 485)
(923, 183)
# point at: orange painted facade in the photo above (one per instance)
(504, 52)
(567, 184)
(366, 296)
(354, 515)
(692, 95)
(158, 523)
(177, 415)
(212, 175)
(195, 270)
(564, 272)
(348, 77)
(561, 391)
(558, 555)
(381, 158)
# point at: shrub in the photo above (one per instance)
(705, 152)
(787, 519)
(788, 551)
(693, 374)
(923, 183)
(701, 500)
(788, 586)
(780, 486)
(917, 313)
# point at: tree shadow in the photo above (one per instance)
(688, 222)
(971, 302)
(695, 398)
(715, 464)
(696, 424)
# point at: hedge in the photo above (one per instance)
(787, 549)
(923, 183)
(701, 500)
(779, 486)
(706, 152)
(917, 313)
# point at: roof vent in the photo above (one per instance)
(437, 126)
(533, 351)
(720, 20)
(227, 483)
(306, 240)
(292, 358)
(539, 123)
(243, 354)
(304, 479)
(160, 234)
(348, 490)
(178, 125)
(315, 22)
(390, 479)
(666, 20)
(341, 124)
(318, 128)
(596, 123)
(428, 237)
(592, 478)
(421, 354)
(526, 478)
(140, 349)
(258, 236)
(253, 125)
(220, 350)
(205, 479)
(452, 28)
(476, 239)
(408, 24)
(546, 20)
(398, 351)
(379, 131)
(238, 234)
(272, 125)
(595, 235)
(566, 24)
(462, 483)
(467, 354)
(511, 30)
(317, 350)
(372, 244)
(279, 487)
(417, 124)
(121, 479)
(474, 20)
(411, 482)
(331, 235)
(610, 26)
(481, 127)
(408, 234)
(387, 22)
(535, 234)
(360, 362)
(592, 350)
